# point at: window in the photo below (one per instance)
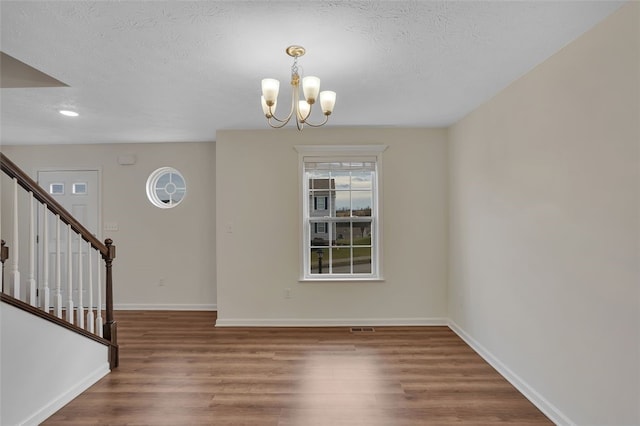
(166, 187)
(341, 230)
(56, 189)
(79, 188)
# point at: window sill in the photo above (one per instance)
(340, 280)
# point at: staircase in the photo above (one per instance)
(56, 281)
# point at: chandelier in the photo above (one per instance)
(300, 108)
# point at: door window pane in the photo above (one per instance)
(56, 189)
(79, 188)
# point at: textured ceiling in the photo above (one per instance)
(153, 71)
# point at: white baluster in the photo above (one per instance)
(32, 252)
(45, 260)
(15, 249)
(90, 317)
(58, 271)
(80, 308)
(69, 276)
(99, 304)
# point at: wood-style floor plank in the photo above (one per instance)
(176, 368)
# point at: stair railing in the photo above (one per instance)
(47, 281)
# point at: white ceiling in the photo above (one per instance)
(154, 71)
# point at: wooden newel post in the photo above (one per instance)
(4, 255)
(109, 330)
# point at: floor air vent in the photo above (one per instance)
(362, 329)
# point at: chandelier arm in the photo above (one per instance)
(276, 126)
(326, 118)
(285, 121)
(308, 113)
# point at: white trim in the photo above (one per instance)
(165, 307)
(151, 187)
(336, 278)
(549, 410)
(346, 322)
(52, 407)
(332, 150)
(346, 152)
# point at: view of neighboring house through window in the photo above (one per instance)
(341, 228)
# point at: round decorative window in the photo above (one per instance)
(166, 187)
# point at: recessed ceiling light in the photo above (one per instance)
(68, 113)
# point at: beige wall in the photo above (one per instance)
(545, 227)
(176, 244)
(541, 232)
(257, 188)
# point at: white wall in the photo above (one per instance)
(176, 244)
(257, 193)
(43, 366)
(545, 227)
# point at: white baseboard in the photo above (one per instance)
(297, 322)
(550, 410)
(62, 400)
(164, 307)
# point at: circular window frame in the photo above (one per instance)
(152, 188)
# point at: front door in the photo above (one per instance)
(78, 192)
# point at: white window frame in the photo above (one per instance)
(321, 153)
(152, 188)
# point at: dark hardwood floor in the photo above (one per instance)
(176, 368)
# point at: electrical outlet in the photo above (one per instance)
(287, 293)
(161, 282)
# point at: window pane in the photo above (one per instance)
(319, 234)
(163, 180)
(362, 203)
(343, 203)
(342, 180)
(362, 260)
(56, 188)
(163, 196)
(341, 260)
(362, 233)
(319, 261)
(342, 231)
(79, 188)
(177, 180)
(320, 181)
(319, 203)
(179, 195)
(361, 180)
